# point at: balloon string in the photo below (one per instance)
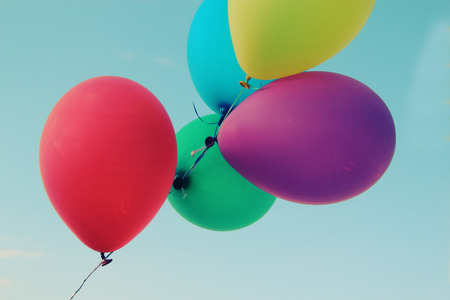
(195, 164)
(216, 131)
(102, 263)
(222, 118)
(245, 85)
(215, 136)
(218, 124)
(232, 105)
(198, 116)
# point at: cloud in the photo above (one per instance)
(164, 60)
(5, 283)
(11, 253)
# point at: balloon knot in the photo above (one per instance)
(210, 141)
(105, 261)
(245, 83)
(178, 183)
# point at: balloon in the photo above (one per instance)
(313, 138)
(107, 158)
(274, 39)
(214, 196)
(212, 63)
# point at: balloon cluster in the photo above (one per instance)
(307, 137)
(108, 152)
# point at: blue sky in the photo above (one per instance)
(391, 242)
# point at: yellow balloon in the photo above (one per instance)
(278, 38)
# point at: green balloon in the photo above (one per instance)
(213, 196)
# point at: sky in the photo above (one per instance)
(391, 242)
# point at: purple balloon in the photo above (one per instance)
(312, 138)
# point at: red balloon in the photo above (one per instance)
(107, 158)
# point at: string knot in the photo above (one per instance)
(105, 261)
(245, 83)
(210, 141)
(178, 183)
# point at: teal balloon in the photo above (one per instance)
(212, 62)
(214, 196)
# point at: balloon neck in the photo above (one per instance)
(210, 141)
(223, 111)
(105, 261)
(245, 83)
(178, 183)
